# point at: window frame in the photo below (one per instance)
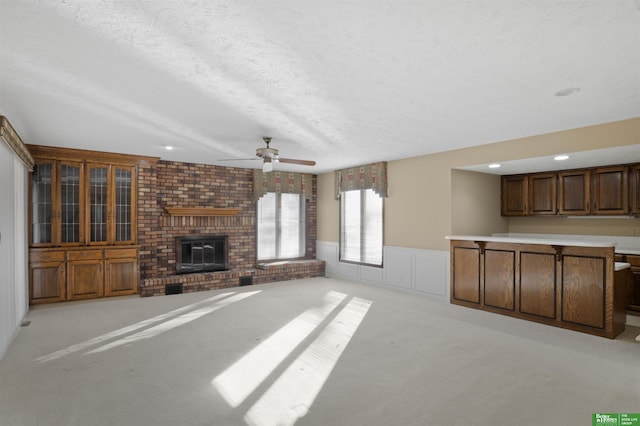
(302, 228)
(362, 219)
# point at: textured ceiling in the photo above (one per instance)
(340, 82)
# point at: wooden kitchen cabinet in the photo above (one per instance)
(82, 273)
(47, 277)
(542, 194)
(583, 295)
(499, 279)
(85, 278)
(538, 283)
(514, 193)
(634, 184)
(526, 195)
(601, 191)
(574, 192)
(573, 287)
(121, 275)
(466, 274)
(634, 290)
(611, 190)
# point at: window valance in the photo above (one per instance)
(371, 176)
(281, 182)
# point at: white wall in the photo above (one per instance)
(417, 270)
(14, 297)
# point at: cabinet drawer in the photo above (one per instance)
(84, 255)
(632, 260)
(46, 256)
(121, 253)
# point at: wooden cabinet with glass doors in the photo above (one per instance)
(83, 225)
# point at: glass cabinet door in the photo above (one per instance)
(124, 205)
(71, 208)
(111, 196)
(98, 203)
(42, 213)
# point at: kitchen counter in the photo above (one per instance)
(573, 284)
(545, 241)
(623, 245)
(626, 250)
(621, 266)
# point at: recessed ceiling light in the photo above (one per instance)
(494, 166)
(568, 91)
(168, 147)
(561, 157)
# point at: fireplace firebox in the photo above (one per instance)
(201, 254)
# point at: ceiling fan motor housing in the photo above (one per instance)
(266, 152)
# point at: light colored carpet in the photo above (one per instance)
(311, 352)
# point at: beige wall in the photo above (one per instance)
(475, 204)
(328, 209)
(423, 191)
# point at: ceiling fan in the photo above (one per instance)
(270, 155)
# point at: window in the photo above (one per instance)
(281, 226)
(361, 227)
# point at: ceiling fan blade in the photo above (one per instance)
(238, 159)
(300, 162)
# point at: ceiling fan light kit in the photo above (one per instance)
(267, 165)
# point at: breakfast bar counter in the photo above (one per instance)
(564, 283)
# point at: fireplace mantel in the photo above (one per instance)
(202, 211)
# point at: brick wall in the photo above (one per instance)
(175, 184)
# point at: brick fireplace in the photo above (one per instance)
(175, 184)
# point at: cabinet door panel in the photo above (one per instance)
(85, 280)
(611, 190)
(634, 178)
(46, 282)
(574, 192)
(538, 284)
(542, 194)
(634, 290)
(121, 277)
(499, 279)
(466, 274)
(514, 196)
(583, 297)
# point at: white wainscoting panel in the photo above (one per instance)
(431, 272)
(422, 271)
(371, 275)
(349, 271)
(398, 267)
(328, 252)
